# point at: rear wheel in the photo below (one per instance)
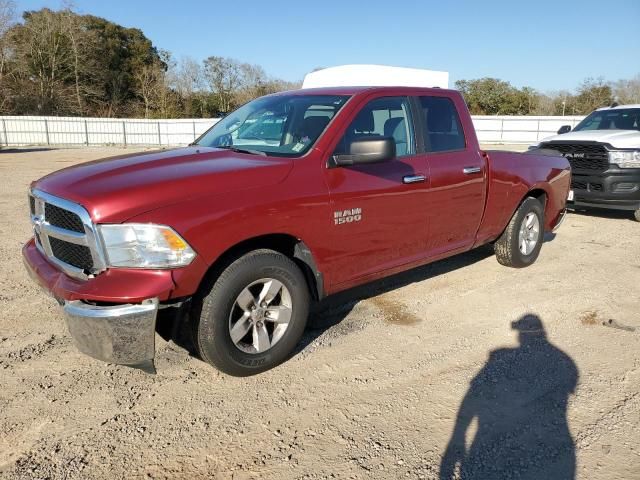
(254, 314)
(520, 243)
(636, 215)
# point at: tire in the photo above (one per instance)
(636, 215)
(508, 246)
(219, 309)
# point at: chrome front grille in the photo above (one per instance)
(62, 218)
(66, 235)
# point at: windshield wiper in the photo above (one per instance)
(243, 150)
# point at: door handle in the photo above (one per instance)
(413, 178)
(471, 170)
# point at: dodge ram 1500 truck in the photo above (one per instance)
(604, 153)
(290, 198)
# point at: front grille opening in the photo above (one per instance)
(592, 187)
(32, 205)
(77, 255)
(59, 217)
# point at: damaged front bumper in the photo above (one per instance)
(115, 329)
(121, 334)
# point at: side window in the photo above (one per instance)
(382, 117)
(443, 131)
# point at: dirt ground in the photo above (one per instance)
(503, 370)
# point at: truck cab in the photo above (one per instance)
(604, 153)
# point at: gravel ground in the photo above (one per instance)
(462, 368)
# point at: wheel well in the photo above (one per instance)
(288, 245)
(539, 195)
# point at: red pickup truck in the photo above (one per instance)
(290, 198)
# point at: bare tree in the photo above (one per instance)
(154, 87)
(627, 91)
(187, 77)
(224, 77)
(43, 63)
(149, 80)
(81, 42)
(7, 15)
(7, 19)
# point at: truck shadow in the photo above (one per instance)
(331, 311)
(334, 309)
(176, 327)
(517, 407)
(605, 213)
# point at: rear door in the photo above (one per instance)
(457, 176)
(379, 215)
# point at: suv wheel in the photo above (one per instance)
(520, 243)
(636, 215)
(253, 316)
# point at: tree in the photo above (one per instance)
(68, 64)
(627, 92)
(7, 19)
(63, 63)
(43, 63)
(223, 76)
(592, 94)
(491, 96)
(120, 53)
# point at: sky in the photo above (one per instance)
(549, 45)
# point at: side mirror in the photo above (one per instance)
(367, 150)
(564, 129)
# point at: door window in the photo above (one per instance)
(442, 128)
(382, 117)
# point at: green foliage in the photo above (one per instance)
(62, 63)
(490, 96)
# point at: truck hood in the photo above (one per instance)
(615, 138)
(118, 188)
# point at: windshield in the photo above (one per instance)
(279, 125)
(613, 119)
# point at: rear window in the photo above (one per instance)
(442, 127)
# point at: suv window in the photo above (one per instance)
(442, 127)
(382, 117)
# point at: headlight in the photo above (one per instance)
(625, 158)
(140, 245)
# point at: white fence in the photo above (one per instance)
(521, 129)
(30, 130)
(60, 131)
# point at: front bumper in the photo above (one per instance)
(111, 319)
(122, 334)
(617, 189)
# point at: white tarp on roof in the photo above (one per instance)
(375, 76)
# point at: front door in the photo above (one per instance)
(379, 214)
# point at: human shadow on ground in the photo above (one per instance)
(518, 401)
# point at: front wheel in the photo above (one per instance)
(520, 243)
(636, 215)
(254, 314)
